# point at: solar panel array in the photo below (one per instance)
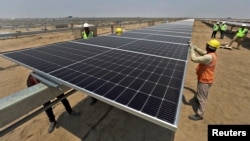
(140, 71)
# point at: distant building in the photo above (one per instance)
(70, 17)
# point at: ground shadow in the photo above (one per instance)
(230, 34)
(192, 102)
(102, 122)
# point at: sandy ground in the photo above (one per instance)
(228, 101)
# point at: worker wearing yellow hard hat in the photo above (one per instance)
(239, 36)
(205, 74)
(118, 31)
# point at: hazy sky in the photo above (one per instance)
(125, 8)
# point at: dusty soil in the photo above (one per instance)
(228, 100)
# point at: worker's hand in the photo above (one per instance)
(189, 43)
(191, 49)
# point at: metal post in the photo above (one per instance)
(33, 114)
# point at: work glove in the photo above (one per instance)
(190, 45)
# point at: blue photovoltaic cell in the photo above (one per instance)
(141, 69)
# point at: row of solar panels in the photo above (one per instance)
(232, 23)
(7, 35)
(142, 71)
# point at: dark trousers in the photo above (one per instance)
(214, 34)
(49, 111)
(222, 33)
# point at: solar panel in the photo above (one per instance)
(153, 31)
(175, 51)
(158, 37)
(141, 73)
(107, 41)
(132, 35)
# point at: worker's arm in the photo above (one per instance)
(198, 50)
(204, 59)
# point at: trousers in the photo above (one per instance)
(202, 96)
(49, 111)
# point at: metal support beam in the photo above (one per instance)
(18, 104)
(20, 121)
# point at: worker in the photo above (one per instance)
(31, 81)
(215, 29)
(86, 34)
(205, 74)
(112, 28)
(239, 37)
(118, 31)
(223, 28)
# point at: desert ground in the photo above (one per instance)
(228, 100)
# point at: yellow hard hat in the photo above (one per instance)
(118, 31)
(214, 44)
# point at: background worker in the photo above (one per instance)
(223, 28)
(86, 34)
(33, 81)
(239, 37)
(215, 29)
(205, 74)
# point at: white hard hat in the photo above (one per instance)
(85, 25)
(218, 22)
(223, 22)
(243, 24)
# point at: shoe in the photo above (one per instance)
(74, 113)
(195, 117)
(92, 101)
(228, 47)
(51, 127)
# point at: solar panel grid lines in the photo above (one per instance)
(167, 26)
(159, 49)
(106, 41)
(160, 34)
(135, 75)
(112, 35)
(154, 38)
(171, 29)
(178, 27)
(160, 31)
(28, 60)
(147, 105)
(140, 71)
(132, 46)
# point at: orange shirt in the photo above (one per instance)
(205, 72)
